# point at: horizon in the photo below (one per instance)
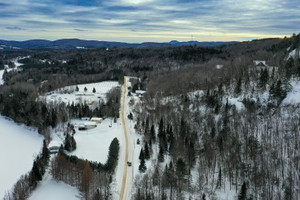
(137, 21)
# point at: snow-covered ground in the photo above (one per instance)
(93, 144)
(1, 76)
(49, 189)
(293, 53)
(18, 145)
(69, 94)
(293, 97)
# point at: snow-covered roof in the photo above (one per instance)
(219, 66)
(88, 123)
(140, 91)
(259, 62)
(96, 119)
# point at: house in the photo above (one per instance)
(98, 120)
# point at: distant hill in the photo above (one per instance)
(86, 44)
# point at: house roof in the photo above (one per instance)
(96, 118)
(260, 63)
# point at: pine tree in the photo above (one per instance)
(289, 68)
(263, 79)
(147, 153)
(94, 90)
(70, 143)
(35, 174)
(142, 155)
(213, 132)
(243, 192)
(142, 166)
(45, 153)
(161, 157)
(130, 116)
(152, 133)
(85, 89)
(161, 127)
(77, 88)
(219, 183)
(238, 87)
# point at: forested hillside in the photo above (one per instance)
(227, 133)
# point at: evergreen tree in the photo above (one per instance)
(213, 132)
(113, 155)
(219, 183)
(142, 155)
(147, 153)
(85, 89)
(238, 87)
(161, 127)
(142, 166)
(94, 90)
(289, 68)
(243, 192)
(77, 88)
(45, 153)
(161, 157)
(152, 133)
(130, 116)
(263, 79)
(35, 174)
(70, 143)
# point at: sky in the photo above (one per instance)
(148, 20)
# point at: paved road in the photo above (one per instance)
(125, 186)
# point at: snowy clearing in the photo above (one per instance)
(1, 77)
(23, 144)
(93, 144)
(50, 189)
(69, 94)
(293, 97)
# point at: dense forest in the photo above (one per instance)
(220, 130)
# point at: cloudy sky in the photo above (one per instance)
(148, 20)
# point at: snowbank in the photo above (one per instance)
(18, 146)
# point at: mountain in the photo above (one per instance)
(86, 44)
(204, 44)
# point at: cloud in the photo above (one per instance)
(156, 20)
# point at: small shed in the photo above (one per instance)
(139, 93)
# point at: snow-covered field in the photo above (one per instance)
(69, 94)
(50, 189)
(18, 145)
(93, 144)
